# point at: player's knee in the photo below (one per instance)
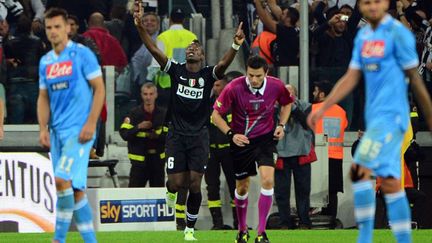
(242, 188)
(267, 182)
(195, 186)
(390, 185)
(78, 195)
(359, 173)
(62, 184)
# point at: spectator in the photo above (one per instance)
(286, 48)
(4, 35)
(220, 156)
(263, 45)
(296, 143)
(425, 68)
(173, 43)
(115, 26)
(80, 8)
(23, 53)
(131, 39)
(11, 10)
(79, 38)
(347, 10)
(142, 57)
(335, 39)
(333, 125)
(111, 51)
(2, 109)
(145, 133)
(34, 10)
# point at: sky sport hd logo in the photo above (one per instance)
(132, 211)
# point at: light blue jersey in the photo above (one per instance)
(382, 55)
(66, 78)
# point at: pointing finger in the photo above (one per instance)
(240, 27)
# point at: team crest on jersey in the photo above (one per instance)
(256, 104)
(373, 49)
(72, 53)
(192, 82)
(201, 82)
(59, 69)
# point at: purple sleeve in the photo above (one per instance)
(223, 102)
(284, 96)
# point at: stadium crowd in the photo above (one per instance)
(142, 89)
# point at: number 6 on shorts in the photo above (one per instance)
(170, 162)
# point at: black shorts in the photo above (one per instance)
(261, 150)
(187, 153)
(335, 175)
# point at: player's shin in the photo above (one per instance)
(84, 221)
(193, 205)
(241, 202)
(264, 206)
(364, 209)
(399, 215)
(65, 207)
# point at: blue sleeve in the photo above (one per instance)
(355, 58)
(405, 48)
(42, 79)
(90, 65)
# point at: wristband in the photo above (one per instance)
(230, 134)
(281, 125)
(235, 46)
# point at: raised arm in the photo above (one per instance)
(265, 17)
(421, 94)
(160, 57)
(230, 54)
(275, 9)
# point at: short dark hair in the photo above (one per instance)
(294, 15)
(347, 6)
(198, 43)
(324, 86)
(74, 18)
(24, 25)
(257, 62)
(54, 12)
(118, 12)
(177, 16)
(231, 75)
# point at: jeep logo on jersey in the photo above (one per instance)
(373, 49)
(188, 92)
(192, 82)
(59, 69)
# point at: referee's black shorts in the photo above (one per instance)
(260, 151)
(187, 153)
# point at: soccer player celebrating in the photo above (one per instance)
(384, 52)
(71, 95)
(187, 142)
(253, 136)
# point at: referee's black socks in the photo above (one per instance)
(193, 205)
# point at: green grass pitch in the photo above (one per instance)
(275, 236)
